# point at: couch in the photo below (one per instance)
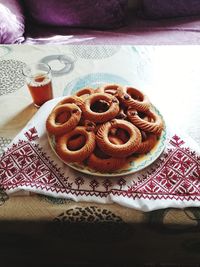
(96, 22)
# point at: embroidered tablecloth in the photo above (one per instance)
(29, 163)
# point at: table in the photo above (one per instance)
(64, 231)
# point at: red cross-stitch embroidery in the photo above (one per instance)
(31, 134)
(176, 141)
(176, 175)
(26, 164)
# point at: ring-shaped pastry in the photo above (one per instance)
(153, 124)
(104, 163)
(81, 154)
(84, 92)
(148, 142)
(123, 150)
(132, 97)
(71, 100)
(109, 89)
(68, 100)
(76, 142)
(109, 114)
(56, 128)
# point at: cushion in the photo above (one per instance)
(11, 22)
(78, 13)
(170, 8)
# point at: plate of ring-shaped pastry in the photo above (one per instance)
(134, 163)
(130, 164)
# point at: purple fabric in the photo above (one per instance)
(78, 13)
(138, 32)
(11, 22)
(170, 8)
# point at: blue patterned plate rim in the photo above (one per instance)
(93, 80)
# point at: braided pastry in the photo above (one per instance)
(132, 97)
(148, 121)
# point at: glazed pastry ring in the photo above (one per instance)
(132, 97)
(61, 128)
(122, 150)
(78, 155)
(71, 100)
(96, 117)
(156, 126)
(84, 92)
(109, 89)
